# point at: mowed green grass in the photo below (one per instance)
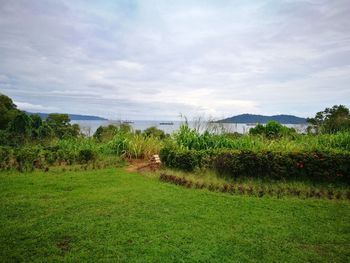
(115, 216)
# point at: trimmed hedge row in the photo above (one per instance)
(315, 166)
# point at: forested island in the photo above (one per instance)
(253, 118)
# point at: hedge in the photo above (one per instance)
(315, 166)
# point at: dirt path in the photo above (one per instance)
(139, 166)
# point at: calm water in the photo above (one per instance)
(89, 127)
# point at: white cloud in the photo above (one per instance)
(154, 59)
(34, 107)
(4, 79)
(129, 65)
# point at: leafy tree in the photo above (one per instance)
(8, 111)
(21, 125)
(107, 133)
(257, 130)
(37, 122)
(40, 129)
(331, 120)
(5, 137)
(125, 128)
(61, 127)
(44, 131)
(58, 120)
(272, 129)
(103, 134)
(154, 132)
(73, 131)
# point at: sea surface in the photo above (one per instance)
(88, 127)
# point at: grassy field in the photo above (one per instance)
(115, 216)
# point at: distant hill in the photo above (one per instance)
(252, 118)
(73, 117)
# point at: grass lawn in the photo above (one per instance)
(115, 216)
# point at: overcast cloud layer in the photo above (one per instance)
(155, 59)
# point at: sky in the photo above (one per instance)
(155, 60)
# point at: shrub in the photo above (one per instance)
(28, 158)
(50, 154)
(182, 159)
(5, 157)
(314, 166)
(272, 130)
(103, 134)
(154, 132)
(86, 155)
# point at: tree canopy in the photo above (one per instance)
(330, 120)
(17, 126)
(8, 111)
(272, 130)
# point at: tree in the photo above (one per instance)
(331, 120)
(44, 131)
(39, 128)
(61, 127)
(107, 133)
(257, 130)
(155, 132)
(8, 111)
(103, 134)
(20, 125)
(57, 119)
(272, 129)
(37, 122)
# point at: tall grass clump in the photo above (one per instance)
(190, 139)
(339, 141)
(79, 150)
(132, 145)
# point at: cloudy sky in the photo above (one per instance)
(152, 59)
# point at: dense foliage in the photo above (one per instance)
(28, 142)
(271, 150)
(331, 120)
(8, 111)
(314, 166)
(272, 130)
(274, 153)
(18, 128)
(191, 139)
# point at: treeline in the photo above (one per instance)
(28, 142)
(17, 127)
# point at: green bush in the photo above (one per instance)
(28, 158)
(314, 166)
(154, 132)
(272, 130)
(5, 157)
(64, 151)
(186, 160)
(86, 155)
